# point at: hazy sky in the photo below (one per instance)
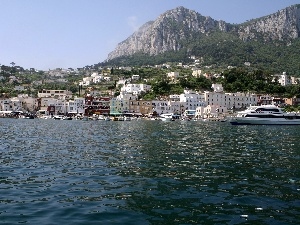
(47, 34)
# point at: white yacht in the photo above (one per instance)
(265, 115)
(166, 117)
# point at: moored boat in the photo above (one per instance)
(166, 117)
(265, 115)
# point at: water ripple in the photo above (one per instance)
(148, 172)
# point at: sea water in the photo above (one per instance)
(148, 172)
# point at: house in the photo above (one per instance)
(19, 88)
(173, 76)
(135, 77)
(217, 88)
(86, 81)
(196, 72)
(136, 88)
(284, 79)
(106, 78)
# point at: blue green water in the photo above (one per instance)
(148, 172)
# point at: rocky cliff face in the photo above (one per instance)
(165, 33)
(169, 29)
(283, 25)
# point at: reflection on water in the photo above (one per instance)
(148, 172)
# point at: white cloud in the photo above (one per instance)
(132, 23)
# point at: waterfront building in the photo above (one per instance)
(120, 104)
(6, 105)
(29, 104)
(140, 107)
(161, 107)
(190, 100)
(229, 100)
(76, 106)
(97, 105)
(264, 100)
(292, 101)
(175, 105)
(59, 107)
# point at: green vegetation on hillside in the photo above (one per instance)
(225, 49)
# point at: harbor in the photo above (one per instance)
(148, 172)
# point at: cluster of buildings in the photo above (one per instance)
(189, 103)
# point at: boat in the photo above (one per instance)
(58, 117)
(265, 115)
(166, 117)
(67, 118)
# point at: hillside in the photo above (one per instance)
(271, 42)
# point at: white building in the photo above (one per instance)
(6, 105)
(122, 82)
(217, 88)
(197, 72)
(58, 94)
(96, 78)
(230, 100)
(136, 88)
(107, 78)
(19, 88)
(284, 79)
(75, 106)
(173, 76)
(120, 104)
(210, 111)
(161, 106)
(135, 77)
(56, 106)
(86, 81)
(190, 100)
(175, 105)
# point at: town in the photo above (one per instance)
(49, 103)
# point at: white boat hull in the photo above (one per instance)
(264, 121)
(165, 119)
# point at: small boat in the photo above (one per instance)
(127, 118)
(265, 115)
(67, 118)
(58, 117)
(166, 117)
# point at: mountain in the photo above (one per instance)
(184, 30)
(166, 33)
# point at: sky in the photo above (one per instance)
(49, 34)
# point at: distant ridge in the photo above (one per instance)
(168, 31)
